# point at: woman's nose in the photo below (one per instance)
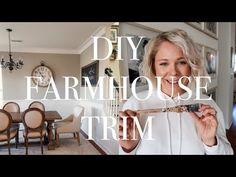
(173, 70)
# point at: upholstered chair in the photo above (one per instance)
(7, 132)
(13, 107)
(33, 120)
(37, 104)
(71, 124)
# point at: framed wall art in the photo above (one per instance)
(90, 71)
(211, 61)
(113, 34)
(232, 59)
(211, 28)
(197, 25)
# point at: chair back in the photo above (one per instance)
(33, 119)
(11, 107)
(5, 121)
(37, 104)
(78, 112)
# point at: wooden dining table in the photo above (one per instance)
(50, 117)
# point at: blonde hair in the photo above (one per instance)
(179, 38)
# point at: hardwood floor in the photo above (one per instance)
(231, 135)
(68, 146)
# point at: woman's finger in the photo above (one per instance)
(122, 114)
(210, 111)
(121, 132)
(209, 118)
(126, 115)
(203, 107)
(130, 113)
(120, 121)
(120, 128)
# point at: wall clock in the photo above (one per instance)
(44, 72)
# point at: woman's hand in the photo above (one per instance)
(130, 142)
(206, 124)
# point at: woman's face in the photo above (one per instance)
(171, 63)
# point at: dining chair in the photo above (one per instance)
(33, 120)
(37, 104)
(7, 132)
(71, 124)
(13, 107)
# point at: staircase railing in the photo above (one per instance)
(112, 106)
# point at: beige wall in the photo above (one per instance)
(14, 84)
(86, 58)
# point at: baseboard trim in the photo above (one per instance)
(93, 143)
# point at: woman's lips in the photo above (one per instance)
(174, 82)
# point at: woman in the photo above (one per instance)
(172, 55)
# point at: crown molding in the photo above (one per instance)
(43, 50)
(99, 32)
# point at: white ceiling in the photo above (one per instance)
(48, 37)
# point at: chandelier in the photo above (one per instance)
(11, 64)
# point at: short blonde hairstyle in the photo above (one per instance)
(179, 38)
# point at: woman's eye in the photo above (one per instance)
(163, 64)
(183, 62)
